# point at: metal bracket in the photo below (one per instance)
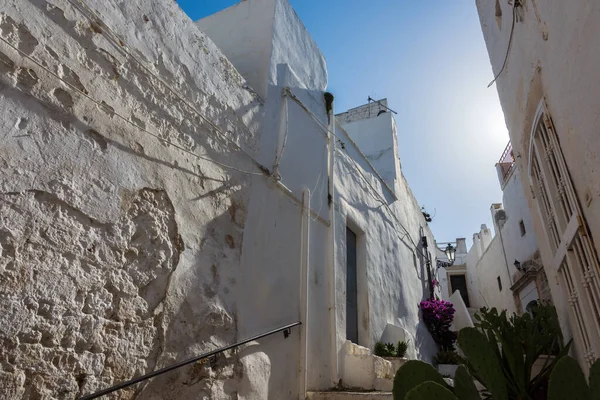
(286, 333)
(442, 264)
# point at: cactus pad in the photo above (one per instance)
(412, 374)
(464, 388)
(567, 381)
(484, 359)
(428, 391)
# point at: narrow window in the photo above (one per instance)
(499, 284)
(351, 287)
(522, 228)
(498, 14)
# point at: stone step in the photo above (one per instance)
(361, 369)
(339, 395)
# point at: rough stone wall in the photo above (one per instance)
(120, 237)
(82, 298)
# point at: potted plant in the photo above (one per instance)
(394, 354)
(438, 316)
(447, 361)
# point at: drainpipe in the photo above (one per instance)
(304, 291)
(282, 134)
(505, 259)
(332, 274)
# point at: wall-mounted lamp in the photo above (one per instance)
(450, 252)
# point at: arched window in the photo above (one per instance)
(574, 256)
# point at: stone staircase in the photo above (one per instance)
(365, 375)
(339, 395)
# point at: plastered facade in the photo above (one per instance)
(142, 221)
(490, 270)
(548, 67)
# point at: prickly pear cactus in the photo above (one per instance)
(428, 391)
(485, 360)
(411, 375)
(464, 388)
(567, 381)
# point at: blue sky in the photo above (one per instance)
(428, 58)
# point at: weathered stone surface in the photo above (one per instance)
(82, 299)
(119, 237)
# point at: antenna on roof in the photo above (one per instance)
(381, 105)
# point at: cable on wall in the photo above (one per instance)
(141, 129)
(510, 38)
(121, 46)
(381, 199)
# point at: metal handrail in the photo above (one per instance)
(285, 329)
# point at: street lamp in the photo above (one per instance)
(450, 252)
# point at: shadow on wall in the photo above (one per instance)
(163, 110)
(256, 290)
(211, 318)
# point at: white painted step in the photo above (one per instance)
(363, 370)
(338, 395)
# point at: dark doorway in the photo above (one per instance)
(351, 288)
(459, 282)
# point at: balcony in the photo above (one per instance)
(506, 165)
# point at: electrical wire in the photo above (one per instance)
(358, 169)
(281, 150)
(401, 235)
(317, 184)
(103, 106)
(327, 130)
(121, 46)
(512, 30)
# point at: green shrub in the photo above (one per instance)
(381, 350)
(389, 350)
(401, 348)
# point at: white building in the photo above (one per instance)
(169, 188)
(542, 54)
(489, 270)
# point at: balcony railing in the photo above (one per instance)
(506, 164)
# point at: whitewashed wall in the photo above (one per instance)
(517, 247)
(244, 33)
(376, 138)
(121, 253)
(393, 270)
(128, 240)
(145, 254)
(487, 270)
(551, 58)
(493, 257)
